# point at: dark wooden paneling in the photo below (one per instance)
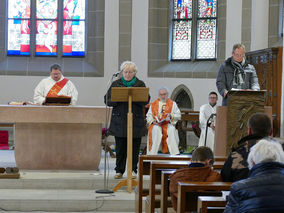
(268, 65)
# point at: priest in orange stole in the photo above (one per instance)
(55, 85)
(161, 119)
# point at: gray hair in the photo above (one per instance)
(163, 88)
(128, 64)
(237, 46)
(265, 151)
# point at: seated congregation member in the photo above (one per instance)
(263, 190)
(162, 117)
(205, 113)
(118, 124)
(199, 170)
(55, 85)
(236, 167)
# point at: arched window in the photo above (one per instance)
(194, 28)
(46, 27)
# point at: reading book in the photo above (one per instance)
(57, 100)
(161, 121)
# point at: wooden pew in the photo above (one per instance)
(209, 201)
(165, 189)
(185, 188)
(144, 169)
(155, 178)
(165, 184)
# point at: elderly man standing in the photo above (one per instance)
(236, 73)
(162, 116)
(55, 85)
(207, 111)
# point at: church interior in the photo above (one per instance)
(60, 152)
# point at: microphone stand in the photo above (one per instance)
(105, 190)
(207, 123)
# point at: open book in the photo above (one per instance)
(167, 119)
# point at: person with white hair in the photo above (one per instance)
(263, 190)
(118, 124)
(162, 117)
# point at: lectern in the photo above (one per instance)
(125, 94)
(231, 124)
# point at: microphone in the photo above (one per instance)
(116, 74)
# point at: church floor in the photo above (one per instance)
(62, 191)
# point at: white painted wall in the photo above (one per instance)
(233, 25)
(259, 20)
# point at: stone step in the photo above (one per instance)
(27, 200)
(60, 180)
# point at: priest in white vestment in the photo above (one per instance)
(206, 111)
(55, 85)
(162, 117)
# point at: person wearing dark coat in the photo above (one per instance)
(118, 124)
(236, 73)
(236, 166)
(263, 190)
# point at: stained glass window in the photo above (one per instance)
(182, 24)
(201, 44)
(19, 27)
(45, 27)
(74, 28)
(182, 40)
(206, 29)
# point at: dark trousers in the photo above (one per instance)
(121, 154)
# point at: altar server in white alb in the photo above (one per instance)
(206, 111)
(55, 85)
(162, 117)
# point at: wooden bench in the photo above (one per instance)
(165, 184)
(185, 189)
(205, 202)
(144, 169)
(155, 178)
(165, 190)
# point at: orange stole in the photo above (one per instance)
(57, 87)
(164, 126)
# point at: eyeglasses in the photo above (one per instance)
(213, 97)
(239, 55)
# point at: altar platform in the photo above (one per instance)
(62, 190)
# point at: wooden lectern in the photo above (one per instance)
(231, 123)
(125, 94)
